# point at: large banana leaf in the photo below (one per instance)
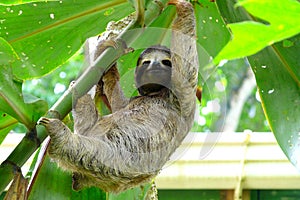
(46, 34)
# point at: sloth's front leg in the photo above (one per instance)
(61, 137)
(74, 152)
(67, 149)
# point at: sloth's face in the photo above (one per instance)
(153, 71)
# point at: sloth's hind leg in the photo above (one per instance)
(79, 181)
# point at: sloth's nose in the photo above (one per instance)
(154, 65)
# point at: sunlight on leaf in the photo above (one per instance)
(12, 2)
(250, 37)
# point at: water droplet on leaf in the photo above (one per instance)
(222, 63)
(108, 12)
(52, 16)
(62, 75)
(271, 91)
(59, 88)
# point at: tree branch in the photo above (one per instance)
(237, 103)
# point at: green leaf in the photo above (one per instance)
(11, 98)
(212, 36)
(53, 180)
(211, 30)
(139, 193)
(250, 37)
(88, 193)
(57, 30)
(279, 89)
(6, 124)
(11, 2)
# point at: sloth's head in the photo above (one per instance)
(153, 71)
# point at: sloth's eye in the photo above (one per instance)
(146, 62)
(167, 63)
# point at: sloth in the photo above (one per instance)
(130, 146)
